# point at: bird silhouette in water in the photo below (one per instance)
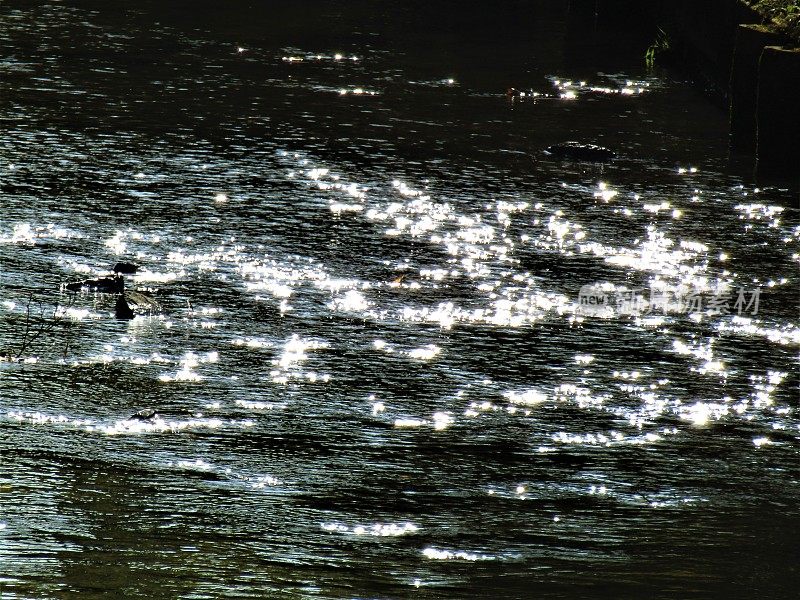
(146, 415)
(123, 310)
(125, 268)
(127, 302)
(113, 284)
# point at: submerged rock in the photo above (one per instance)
(580, 151)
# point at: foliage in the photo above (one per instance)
(785, 14)
(659, 47)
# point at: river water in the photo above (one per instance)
(402, 352)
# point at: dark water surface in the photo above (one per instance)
(373, 376)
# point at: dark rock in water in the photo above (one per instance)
(104, 285)
(122, 310)
(126, 268)
(580, 151)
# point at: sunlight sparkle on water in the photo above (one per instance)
(23, 233)
(116, 243)
(120, 427)
(437, 554)
(604, 192)
(250, 342)
(257, 405)
(188, 363)
(701, 413)
(351, 301)
(156, 425)
(571, 90)
(428, 352)
(442, 421)
(786, 334)
(75, 314)
(526, 398)
(294, 355)
(376, 529)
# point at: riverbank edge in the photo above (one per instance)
(742, 60)
(788, 26)
(750, 65)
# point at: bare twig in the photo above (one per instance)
(40, 325)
